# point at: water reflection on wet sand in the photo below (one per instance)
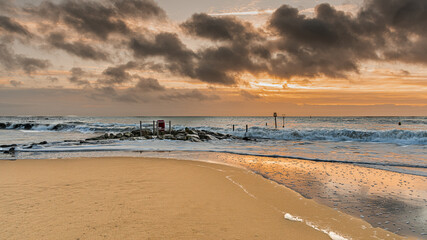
(393, 201)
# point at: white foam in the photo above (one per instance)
(243, 188)
(292, 218)
(331, 234)
(335, 236)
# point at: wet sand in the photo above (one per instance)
(147, 198)
(393, 201)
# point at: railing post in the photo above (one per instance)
(140, 128)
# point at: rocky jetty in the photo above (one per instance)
(186, 134)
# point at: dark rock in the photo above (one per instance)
(175, 132)
(189, 131)
(95, 138)
(145, 132)
(181, 136)
(169, 136)
(248, 139)
(6, 146)
(3, 125)
(58, 127)
(10, 151)
(203, 136)
(193, 137)
(210, 137)
(43, 143)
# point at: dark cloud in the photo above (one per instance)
(12, 26)
(327, 44)
(220, 28)
(291, 46)
(145, 90)
(30, 65)
(117, 74)
(398, 27)
(223, 64)
(11, 61)
(15, 83)
(148, 85)
(189, 95)
(78, 77)
(178, 57)
(144, 9)
(79, 49)
(333, 43)
(53, 79)
(99, 18)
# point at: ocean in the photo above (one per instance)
(370, 145)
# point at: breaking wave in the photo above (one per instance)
(396, 136)
(405, 137)
(70, 126)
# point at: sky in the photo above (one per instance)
(213, 58)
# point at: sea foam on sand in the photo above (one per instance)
(333, 235)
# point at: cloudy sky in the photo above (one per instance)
(201, 57)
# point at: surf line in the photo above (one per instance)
(240, 186)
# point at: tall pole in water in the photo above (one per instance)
(284, 120)
(275, 119)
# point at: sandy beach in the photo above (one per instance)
(149, 198)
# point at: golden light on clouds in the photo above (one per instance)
(256, 52)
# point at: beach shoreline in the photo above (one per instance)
(134, 198)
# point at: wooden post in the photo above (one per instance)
(233, 127)
(275, 120)
(140, 128)
(284, 120)
(170, 127)
(246, 127)
(154, 127)
(157, 129)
